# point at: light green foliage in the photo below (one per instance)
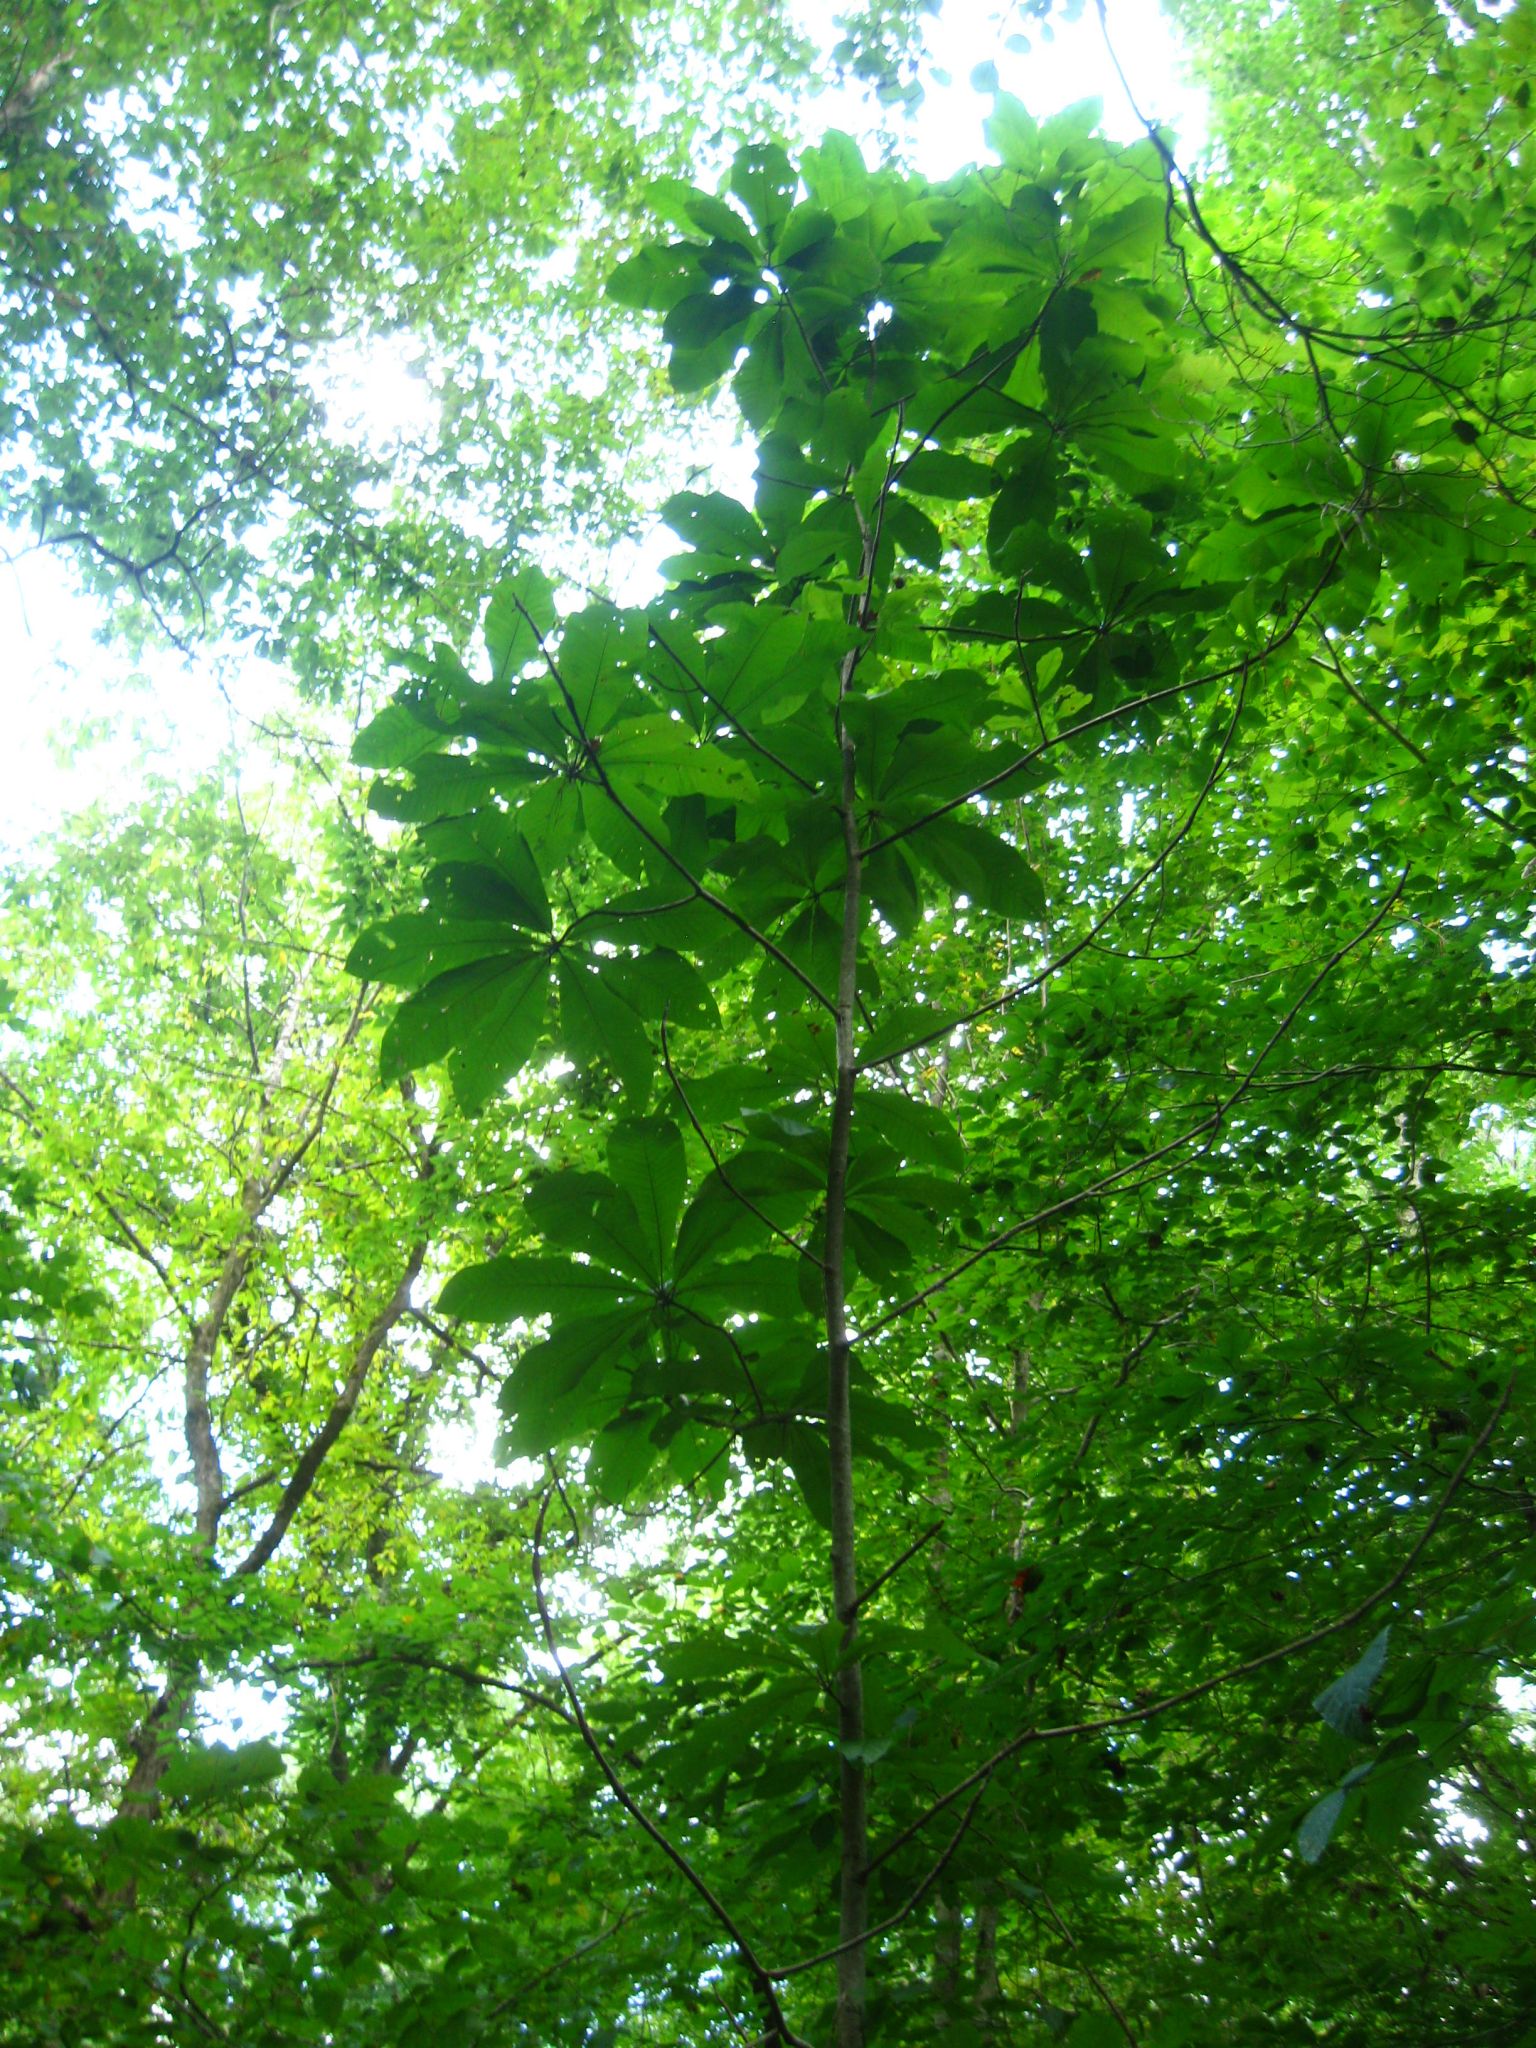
(976, 1068)
(211, 219)
(232, 1475)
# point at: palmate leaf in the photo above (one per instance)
(598, 1026)
(762, 1284)
(915, 532)
(705, 331)
(560, 1390)
(660, 983)
(894, 890)
(626, 832)
(837, 175)
(481, 991)
(621, 1456)
(399, 734)
(408, 951)
(803, 1448)
(979, 864)
(596, 657)
(585, 1212)
(472, 891)
(933, 473)
(878, 1251)
(628, 1216)
(917, 1132)
(522, 1286)
(484, 1020)
(717, 526)
(1012, 131)
(765, 181)
(751, 670)
(726, 1216)
(658, 753)
(488, 837)
(520, 614)
(219, 1771)
(1318, 1824)
(451, 785)
(1316, 1830)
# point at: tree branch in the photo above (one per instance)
(1138, 1167)
(774, 1230)
(779, 2034)
(703, 894)
(319, 1445)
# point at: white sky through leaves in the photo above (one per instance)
(83, 714)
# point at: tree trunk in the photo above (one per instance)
(853, 1918)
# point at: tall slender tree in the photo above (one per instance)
(1056, 937)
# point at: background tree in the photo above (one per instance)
(237, 1493)
(209, 220)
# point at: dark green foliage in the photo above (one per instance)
(1070, 778)
(974, 1094)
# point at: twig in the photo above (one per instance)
(1336, 667)
(318, 1448)
(891, 1570)
(1127, 895)
(1105, 1996)
(780, 2033)
(1207, 1124)
(702, 894)
(915, 1899)
(746, 1201)
(582, 1948)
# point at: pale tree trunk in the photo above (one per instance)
(24, 96)
(947, 1938)
(151, 1743)
(988, 1990)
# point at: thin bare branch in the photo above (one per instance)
(1136, 1170)
(780, 2033)
(700, 891)
(774, 1230)
(911, 1551)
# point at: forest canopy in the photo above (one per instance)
(791, 1306)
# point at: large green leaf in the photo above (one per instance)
(752, 670)
(1344, 1705)
(490, 837)
(659, 755)
(597, 1024)
(522, 1286)
(645, 1158)
(485, 1020)
(978, 863)
(598, 650)
(519, 617)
